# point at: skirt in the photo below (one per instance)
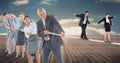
(107, 27)
(20, 38)
(32, 47)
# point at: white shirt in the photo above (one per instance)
(107, 20)
(31, 28)
(44, 23)
(85, 19)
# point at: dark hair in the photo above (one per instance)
(4, 14)
(26, 17)
(86, 11)
(107, 13)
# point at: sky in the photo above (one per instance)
(64, 9)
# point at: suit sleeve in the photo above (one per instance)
(101, 21)
(39, 31)
(111, 17)
(79, 15)
(88, 21)
(57, 25)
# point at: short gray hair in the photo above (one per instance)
(40, 10)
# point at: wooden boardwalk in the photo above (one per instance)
(76, 51)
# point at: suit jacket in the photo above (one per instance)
(53, 26)
(82, 19)
(104, 19)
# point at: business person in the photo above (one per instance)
(8, 24)
(107, 25)
(83, 23)
(46, 25)
(20, 36)
(14, 31)
(33, 42)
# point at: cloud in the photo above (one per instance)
(109, 1)
(48, 2)
(71, 22)
(68, 21)
(100, 31)
(20, 2)
(96, 24)
(71, 27)
(91, 19)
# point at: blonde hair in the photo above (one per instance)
(21, 13)
(11, 14)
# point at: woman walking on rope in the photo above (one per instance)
(107, 25)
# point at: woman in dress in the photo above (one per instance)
(21, 36)
(107, 25)
(33, 42)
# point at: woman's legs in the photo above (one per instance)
(23, 50)
(30, 58)
(109, 36)
(37, 55)
(105, 36)
(17, 50)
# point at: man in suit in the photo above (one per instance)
(83, 23)
(46, 25)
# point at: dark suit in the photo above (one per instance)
(106, 25)
(83, 26)
(55, 42)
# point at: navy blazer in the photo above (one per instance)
(104, 19)
(53, 26)
(82, 19)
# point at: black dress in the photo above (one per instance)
(107, 27)
(21, 35)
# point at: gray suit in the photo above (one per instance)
(55, 42)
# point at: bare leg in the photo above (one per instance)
(38, 57)
(105, 36)
(23, 50)
(30, 59)
(17, 50)
(109, 36)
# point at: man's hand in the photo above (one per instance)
(74, 14)
(62, 34)
(46, 32)
(114, 16)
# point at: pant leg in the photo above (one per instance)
(15, 34)
(46, 52)
(84, 30)
(10, 41)
(58, 56)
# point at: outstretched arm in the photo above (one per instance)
(101, 21)
(111, 17)
(77, 15)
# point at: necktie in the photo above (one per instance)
(44, 24)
